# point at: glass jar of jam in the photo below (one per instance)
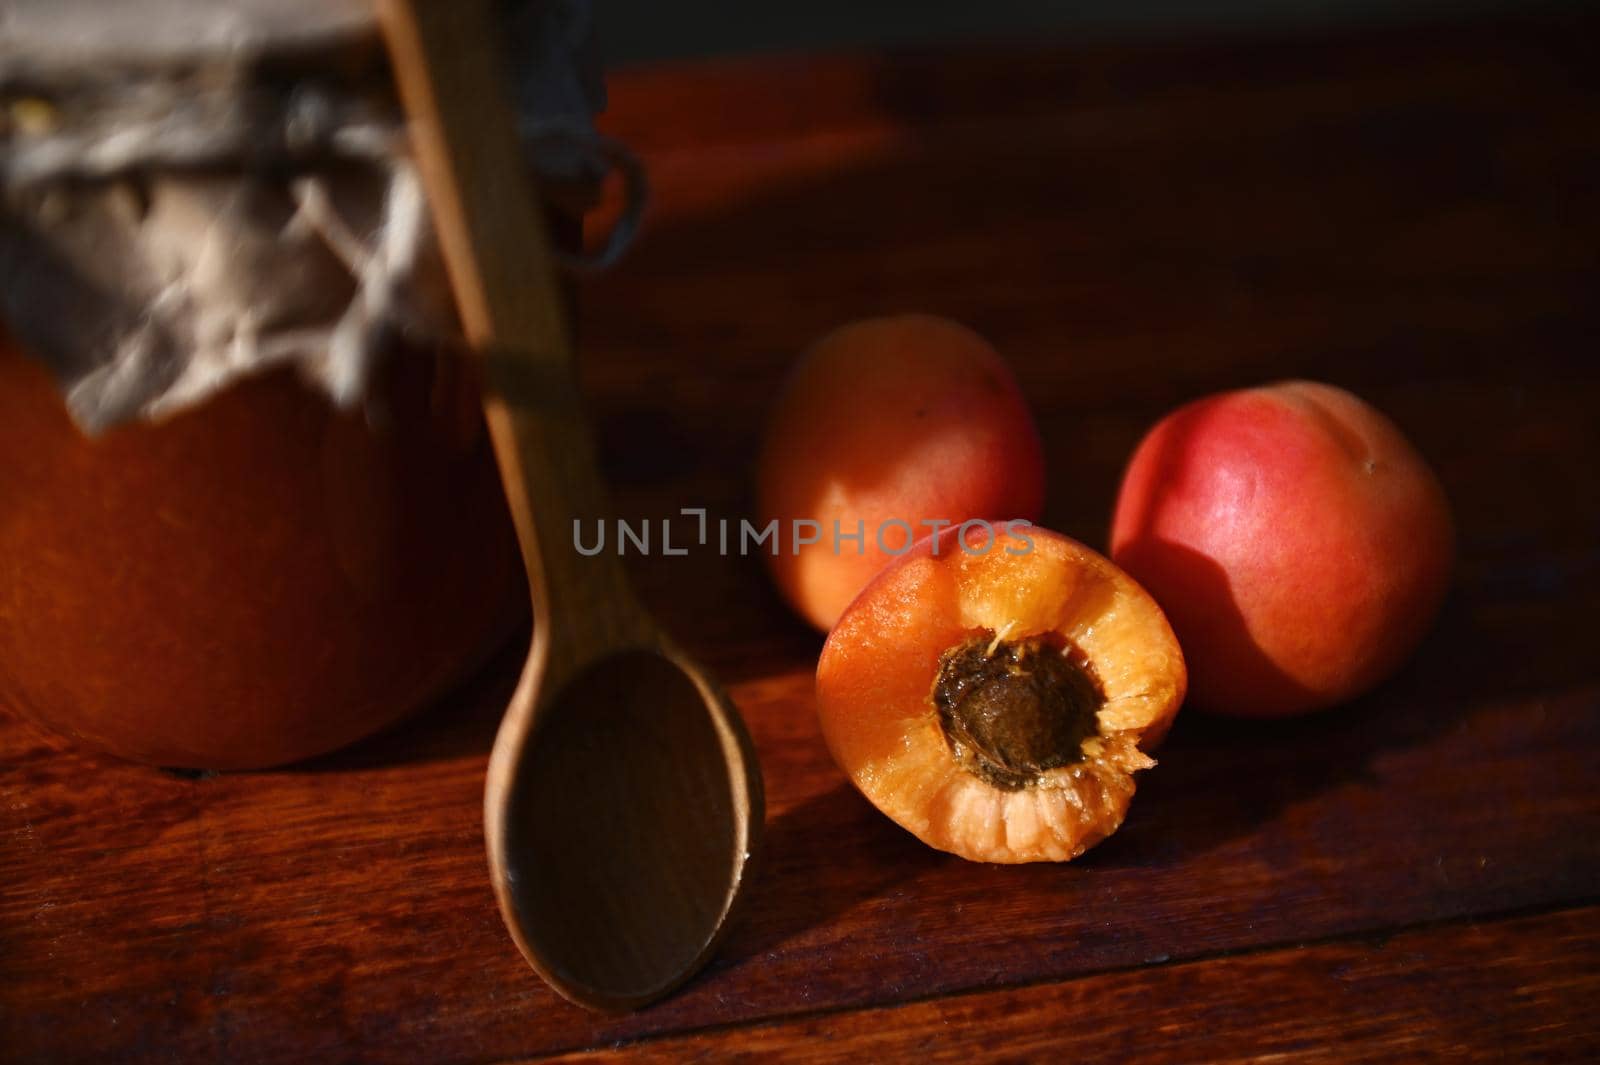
(204, 208)
(256, 580)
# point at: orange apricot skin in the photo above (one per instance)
(1299, 544)
(910, 418)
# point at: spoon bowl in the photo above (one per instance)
(619, 830)
(623, 798)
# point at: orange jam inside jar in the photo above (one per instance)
(256, 580)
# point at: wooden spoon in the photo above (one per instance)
(623, 799)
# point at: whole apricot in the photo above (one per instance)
(1297, 541)
(994, 691)
(886, 430)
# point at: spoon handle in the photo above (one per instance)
(448, 69)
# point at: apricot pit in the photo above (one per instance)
(1011, 710)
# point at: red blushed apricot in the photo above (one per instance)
(883, 426)
(1297, 541)
(996, 705)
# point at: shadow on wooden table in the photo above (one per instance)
(1222, 779)
(863, 853)
(460, 723)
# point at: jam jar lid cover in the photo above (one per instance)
(191, 191)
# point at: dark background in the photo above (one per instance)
(632, 31)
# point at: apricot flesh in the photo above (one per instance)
(1040, 771)
(883, 426)
(1297, 541)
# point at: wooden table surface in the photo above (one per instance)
(1411, 213)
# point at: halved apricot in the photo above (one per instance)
(994, 690)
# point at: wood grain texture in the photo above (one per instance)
(1464, 992)
(1406, 214)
